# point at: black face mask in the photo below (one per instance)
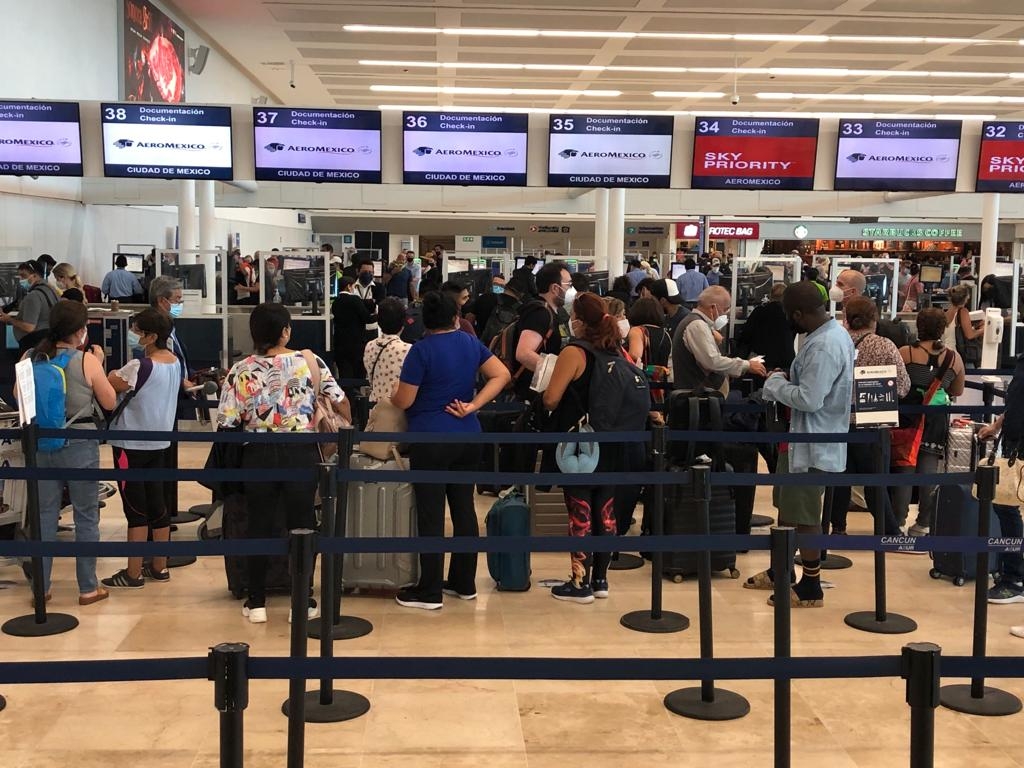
(794, 326)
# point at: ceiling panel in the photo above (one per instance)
(1010, 8)
(728, 24)
(541, 20)
(917, 26)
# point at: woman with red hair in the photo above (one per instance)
(591, 507)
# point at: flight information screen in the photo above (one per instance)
(911, 155)
(464, 148)
(40, 138)
(610, 151)
(754, 153)
(334, 145)
(1001, 159)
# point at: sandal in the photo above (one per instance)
(759, 581)
(798, 602)
(100, 594)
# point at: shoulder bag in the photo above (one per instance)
(384, 417)
(906, 441)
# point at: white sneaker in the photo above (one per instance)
(255, 615)
(918, 530)
(1017, 631)
(311, 613)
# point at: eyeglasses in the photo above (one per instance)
(566, 285)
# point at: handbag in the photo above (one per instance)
(325, 420)
(383, 417)
(906, 440)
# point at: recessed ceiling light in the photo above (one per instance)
(687, 94)
(493, 91)
(910, 98)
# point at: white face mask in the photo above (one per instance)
(623, 327)
(570, 296)
(84, 339)
(720, 322)
(572, 328)
(836, 294)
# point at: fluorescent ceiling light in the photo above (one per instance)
(745, 37)
(492, 91)
(687, 94)
(911, 98)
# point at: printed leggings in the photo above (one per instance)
(591, 512)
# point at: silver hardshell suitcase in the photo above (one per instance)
(961, 449)
(380, 510)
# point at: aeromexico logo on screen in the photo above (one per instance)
(569, 153)
(175, 146)
(30, 143)
(441, 152)
(277, 146)
(859, 157)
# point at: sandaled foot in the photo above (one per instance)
(799, 602)
(93, 597)
(762, 580)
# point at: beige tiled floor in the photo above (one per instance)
(498, 724)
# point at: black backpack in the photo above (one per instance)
(619, 399)
(505, 313)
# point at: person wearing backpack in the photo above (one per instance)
(148, 388)
(68, 384)
(536, 329)
(33, 320)
(594, 384)
(925, 361)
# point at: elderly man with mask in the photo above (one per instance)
(850, 283)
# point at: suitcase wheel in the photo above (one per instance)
(935, 574)
(733, 573)
(959, 581)
(202, 533)
(677, 578)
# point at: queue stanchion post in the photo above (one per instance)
(178, 517)
(920, 668)
(706, 702)
(657, 620)
(335, 523)
(830, 561)
(327, 705)
(881, 620)
(229, 672)
(783, 540)
(626, 561)
(301, 550)
(40, 623)
(978, 698)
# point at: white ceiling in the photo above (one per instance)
(263, 36)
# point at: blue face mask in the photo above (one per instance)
(498, 288)
(25, 284)
(134, 340)
(177, 309)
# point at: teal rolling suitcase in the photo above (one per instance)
(510, 516)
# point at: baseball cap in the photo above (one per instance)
(716, 262)
(666, 289)
(336, 260)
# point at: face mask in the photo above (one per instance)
(177, 309)
(25, 284)
(497, 289)
(623, 327)
(720, 322)
(134, 340)
(570, 296)
(836, 294)
(83, 341)
(365, 278)
(572, 328)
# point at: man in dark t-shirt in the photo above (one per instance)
(537, 328)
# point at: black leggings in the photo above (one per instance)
(144, 501)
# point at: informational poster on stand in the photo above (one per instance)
(332, 145)
(1001, 158)
(754, 153)
(153, 54)
(875, 399)
(26, 391)
(908, 155)
(163, 141)
(486, 149)
(40, 138)
(610, 151)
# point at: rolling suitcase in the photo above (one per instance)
(683, 517)
(956, 514)
(380, 510)
(235, 525)
(496, 457)
(961, 448)
(509, 516)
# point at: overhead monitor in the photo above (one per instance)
(1001, 159)
(166, 141)
(40, 138)
(487, 149)
(331, 145)
(135, 262)
(457, 265)
(905, 155)
(676, 270)
(609, 151)
(754, 153)
(931, 274)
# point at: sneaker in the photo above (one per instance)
(409, 599)
(254, 615)
(600, 588)
(312, 612)
(1006, 592)
(918, 530)
(1017, 631)
(446, 589)
(149, 573)
(121, 580)
(572, 593)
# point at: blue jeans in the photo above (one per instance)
(1011, 564)
(85, 500)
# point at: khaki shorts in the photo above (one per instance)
(797, 504)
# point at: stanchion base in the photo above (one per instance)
(3, 703)
(626, 562)
(688, 702)
(347, 628)
(180, 561)
(26, 626)
(345, 705)
(761, 521)
(642, 621)
(993, 703)
(894, 623)
(202, 510)
(830, 563)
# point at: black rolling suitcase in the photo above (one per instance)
(682, 516)
(235, 526)
(956, 514)
(497, 418)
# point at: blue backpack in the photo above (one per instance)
(50, 377)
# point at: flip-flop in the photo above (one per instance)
(798, 602)
(759, 581)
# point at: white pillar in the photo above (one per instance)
(989, 234)
(616, 232)
(208, 241)
(600, 229)
(186, 219)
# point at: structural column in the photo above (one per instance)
(616, 231)
(989, 234)
(600, 229)
(186, 219)
(205, 197)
